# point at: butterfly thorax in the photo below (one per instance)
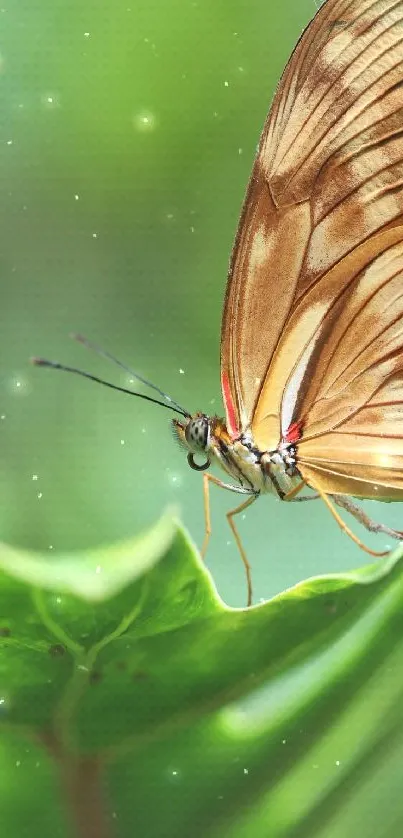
(253, 471)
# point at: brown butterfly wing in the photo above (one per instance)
(352, 416)
(328, 177)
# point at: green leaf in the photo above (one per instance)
(164, 713)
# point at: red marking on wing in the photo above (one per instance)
(294, 433)
(229, 406)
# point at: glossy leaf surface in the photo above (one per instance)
(175, 715)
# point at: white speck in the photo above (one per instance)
(122, 442)
(3, 416)
(9, 142)
(246, 771)
(18, 385)
(170, 216)
(50, 100)
(241, 69)
(98, 569)
(58, 600)
(240, 151)
(144, 121)
(182, 372)
(284, 741)
(228, 543)
(50, 547)
(226, 84)
(174, 773)
(39, 495)
(144, 430)
(86, 34)
(34, 477)
(2, 700)
(215, 113)
(337, 762)
(18, 763)
(174, 479)
(76, 197)
(95, 235)
(192, 229)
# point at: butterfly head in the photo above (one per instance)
(194, 434)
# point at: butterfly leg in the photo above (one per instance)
(207, 479)
(207, 516)
(367, 522)
(293, 494)
(327, 500)
(230, 517)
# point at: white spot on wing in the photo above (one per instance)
(294, 383)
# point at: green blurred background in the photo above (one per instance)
(127, 134)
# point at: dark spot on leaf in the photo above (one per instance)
(140, 675)
(57, 651)
(121, 665)
(4, 631)
(95, 677)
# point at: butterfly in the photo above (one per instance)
(312, 329)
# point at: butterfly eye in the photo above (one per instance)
(197, 433)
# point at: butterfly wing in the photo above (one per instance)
(327, 179)
(352, 414)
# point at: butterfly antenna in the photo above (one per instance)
(42, 362)
(105, 354)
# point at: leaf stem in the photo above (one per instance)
(82, 785)
(51, 624)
